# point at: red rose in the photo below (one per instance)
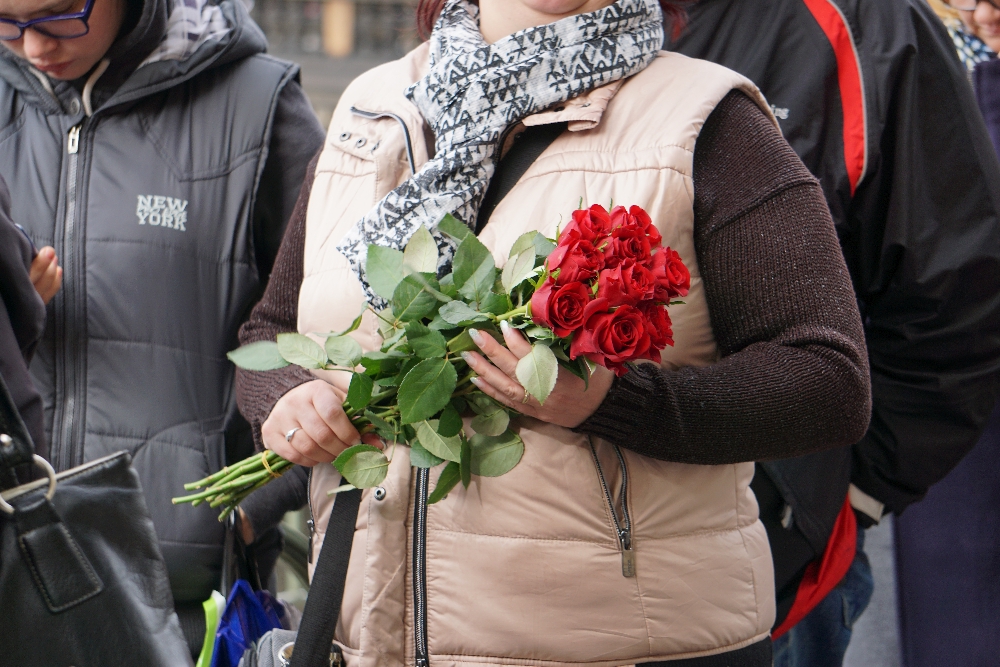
(658, 325)
(560, 308)
(628, 242)
(627, 284)
(611, 339)
(592, 223)
(672, 277)
(576, 259)
(647, 225)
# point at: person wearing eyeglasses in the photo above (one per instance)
(155, 148)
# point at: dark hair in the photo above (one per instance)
(428, 10)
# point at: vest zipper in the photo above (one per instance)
(623, 528)
(68, 320)
(420, 567)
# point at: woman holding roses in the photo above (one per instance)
(628, 532)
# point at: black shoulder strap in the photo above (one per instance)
(326, 593)
(527, 147)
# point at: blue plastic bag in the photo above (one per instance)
(248, 615)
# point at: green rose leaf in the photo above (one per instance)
(426, 389)
(449, 449)
(454, 227)
(387, 324)
(384, 429)
(450, 422)
(421, 253)
(450, 476)
(461, 343)
(354, 325)
(410, 301)
(344, 351)
(301, 350)
(472, 258)
(260, 356)
(542, 246)
(460, 314)
(383, 269)
(431, 286)
(492, 423)
(479, 286)
(359, 393)
(498, 304)
(363, 466)
(381, 363)
(422, 458)
(518, 269)
(537, 371)
(425, 343)
(493, 456)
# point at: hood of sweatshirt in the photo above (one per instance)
(169, 42)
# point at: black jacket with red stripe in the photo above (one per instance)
(872, 97)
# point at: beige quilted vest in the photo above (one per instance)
(527, 568)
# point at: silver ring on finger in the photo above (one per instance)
(526, 398)
(291, 432)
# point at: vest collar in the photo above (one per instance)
(581, 113)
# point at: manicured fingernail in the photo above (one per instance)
(467, 357)
(477, 381)
(475, 336)
(504, 326)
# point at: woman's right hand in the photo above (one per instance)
(317, 410)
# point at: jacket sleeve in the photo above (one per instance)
(793, 377)
(277, 312)
(296, 136)
(923, 246)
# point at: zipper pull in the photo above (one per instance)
(628, 556)
(312, 531)
(73, 141)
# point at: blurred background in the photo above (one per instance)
(336, 40)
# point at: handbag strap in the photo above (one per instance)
(19, 450)
(326, 592)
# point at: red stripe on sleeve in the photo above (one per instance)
(831, 21)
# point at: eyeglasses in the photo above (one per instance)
(969, 5)
(59, 26)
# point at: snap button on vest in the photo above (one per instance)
(379, 493)
(74, 106)
(360, 142)
(344, 136)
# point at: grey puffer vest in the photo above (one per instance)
(148, 202)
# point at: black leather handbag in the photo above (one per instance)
(82, 580)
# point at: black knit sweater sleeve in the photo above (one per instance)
(793, 375)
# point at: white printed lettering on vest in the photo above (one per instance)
(158, 211)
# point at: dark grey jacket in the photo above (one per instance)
(165, 205)
(22, 318)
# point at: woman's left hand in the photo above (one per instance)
(569, 404)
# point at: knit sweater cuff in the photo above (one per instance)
(623, 409)
(268, 387)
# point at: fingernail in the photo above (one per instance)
(477, 381)
(466, 357)
(475, 336)
(504, 326)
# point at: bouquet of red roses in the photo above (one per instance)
(598, 294)
(609, 282)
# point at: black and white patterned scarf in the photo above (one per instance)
(474, 91)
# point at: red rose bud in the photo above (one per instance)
(658, 324)
(627, 243)
(638, 281)
(612, 339)
(611, 286)
(560, 308)
(592, 223)
(672, 277)
(647, 226)
(576, 260)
